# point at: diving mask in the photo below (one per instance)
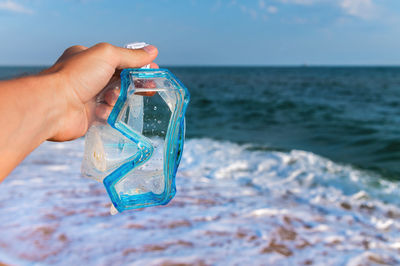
(136, 152)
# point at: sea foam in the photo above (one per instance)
(234, 205)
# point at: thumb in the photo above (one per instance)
(127, 58)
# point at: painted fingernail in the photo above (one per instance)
(150, 49)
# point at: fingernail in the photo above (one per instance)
(150, 49)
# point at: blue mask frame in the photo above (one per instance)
(174, 141)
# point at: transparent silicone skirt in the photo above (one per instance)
(137, 152)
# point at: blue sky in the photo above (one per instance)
(202, 32)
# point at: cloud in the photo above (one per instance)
(358, 8)
(269, 9)
(299, 2)
(364, 9)
(251, 11)
(12, 6)
(272, 9)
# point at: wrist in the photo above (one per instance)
(50, 101)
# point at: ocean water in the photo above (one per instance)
(350, 115)
(281, 166)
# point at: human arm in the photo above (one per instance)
(58, 104)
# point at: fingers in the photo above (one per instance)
(126, 58)
(103, 111)
(145, 84)
(136, 58)
(70, 52)
(148, 84)
(111, 97)
(154, 65)
(104, 108)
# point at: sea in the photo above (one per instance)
(281, 166)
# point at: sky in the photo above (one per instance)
(205, 32)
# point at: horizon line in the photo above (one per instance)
(237, 65)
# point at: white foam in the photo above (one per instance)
(233, 206)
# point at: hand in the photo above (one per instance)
(82, 73)
(59, 103)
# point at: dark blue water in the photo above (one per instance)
(348, 114)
